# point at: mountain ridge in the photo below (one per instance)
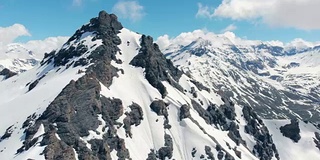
(109, 93)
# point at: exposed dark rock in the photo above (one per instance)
(100, 149)
(212, 115)
(264, 148)
(218, 147)
(237, 152)
(202, 112)
(317, 134)
(184, 111)
(33, 84)
(291, 130)
(234, 134)
(56, 149)
(220, 155)
(109, 20)
(229, 111)
(200, 86)
(152, 155)
(111, 109)
(136, 114)
(30, 119)
(193, 152)
(166, 124)
(159, 107)
(105, 27)
(127, 126)
(292, 65)
(317, 139)
(103, 71)
(193, 92)
(167, 150)
(47, 58)
(122, 151)
(209, 153)
(157, 67)
(228, 157)
(7, 73)
(7, 133)
(168, 141)
(132, 118)
(75, 111)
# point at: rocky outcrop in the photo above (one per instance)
(157, 67)
(209, 153)
(106, 27)
(134, 117)
(200, 86)
(76, 110)
(7, 133)
(7, 73)
(291, 130)
(159, 107)
(167, 150)
(264, 148)
(184, 112)
(316, 140)
(212, 115)
(234, 134)
(152, 155)
(220, 155)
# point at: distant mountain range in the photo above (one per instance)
(267, 75)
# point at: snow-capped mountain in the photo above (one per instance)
(109, 93)
(265, 75)
(19, 57)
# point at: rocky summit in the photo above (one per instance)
(110, 94)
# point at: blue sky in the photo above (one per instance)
(251, 19)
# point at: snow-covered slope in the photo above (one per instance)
(304, 149)
(109, 93)
(264, 75)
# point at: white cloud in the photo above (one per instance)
(39, 47)
(184, 38)
(231, 27)
(204, 11)
(129, 10)
(9, 34)
(163, 41)
(300, 14)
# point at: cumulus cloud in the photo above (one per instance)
(204, 11)
(39, 47)
(300, 14)
(231, 27)
(163, 41)
(131, 10)
(9, 34)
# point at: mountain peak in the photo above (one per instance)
(108, 88)
(108, 20)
